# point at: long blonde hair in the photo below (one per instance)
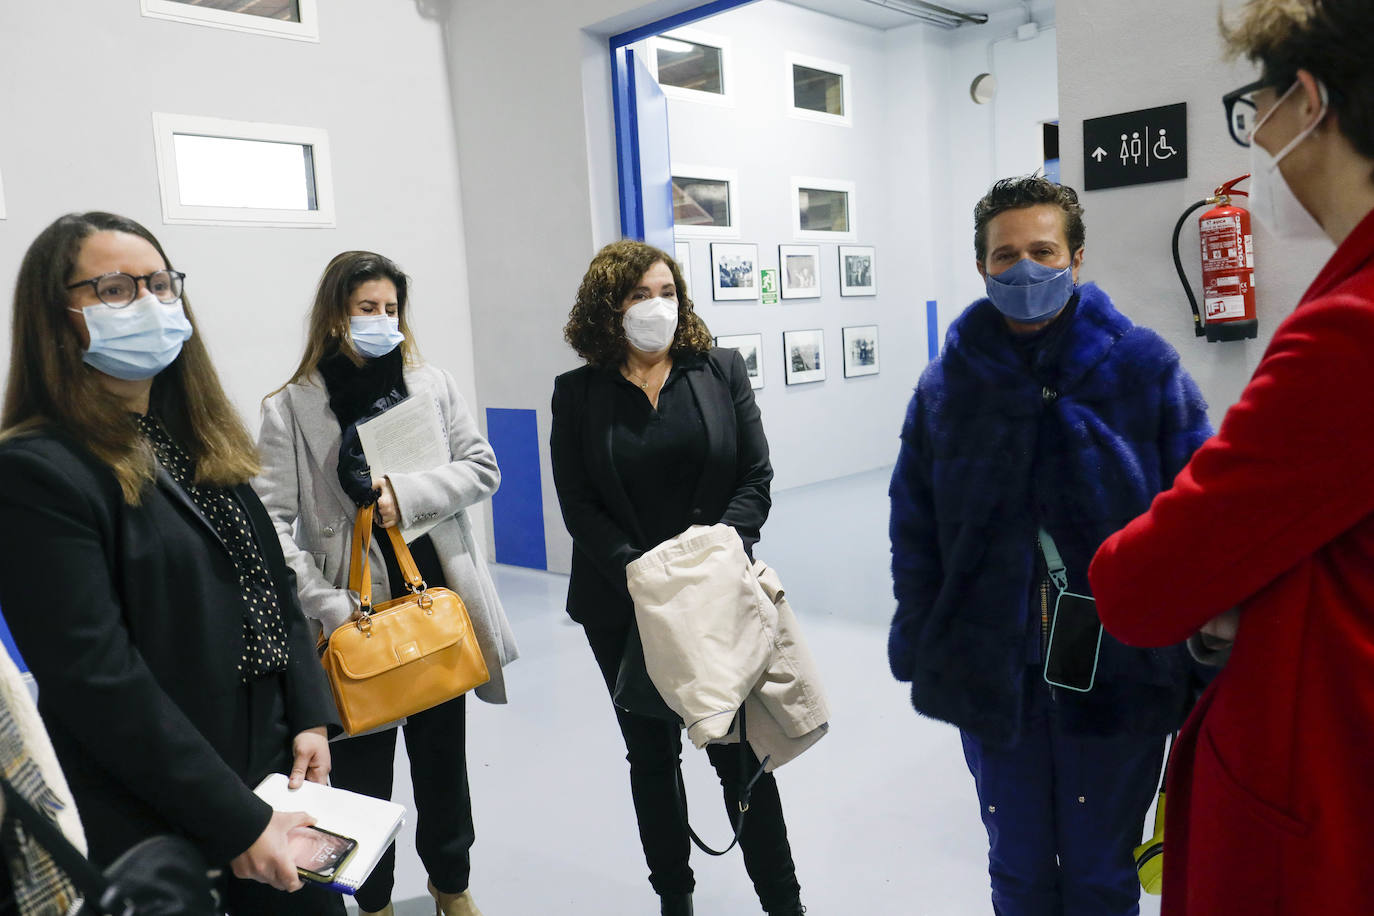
(51, 388)
(328, 325)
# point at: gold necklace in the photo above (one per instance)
(638, 379)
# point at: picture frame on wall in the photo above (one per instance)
(682, 253)
(803, 356)
(860, 350)
(858, 270)
(750, 346)
(734, 271)
(800, 270)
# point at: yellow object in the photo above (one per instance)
(1149, 856)
(403, 656)
(453, 904)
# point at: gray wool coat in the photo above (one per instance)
(299, 485)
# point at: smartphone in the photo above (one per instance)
(319, 854)
(1075, 640)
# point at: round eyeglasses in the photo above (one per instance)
(119, 289)
(1241, 110)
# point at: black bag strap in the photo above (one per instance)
(87, 879)
(746, 789)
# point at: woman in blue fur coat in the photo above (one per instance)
(1047, 409)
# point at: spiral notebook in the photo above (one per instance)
(373, 822)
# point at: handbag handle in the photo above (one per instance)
(358, 578)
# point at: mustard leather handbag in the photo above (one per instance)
(405, 655)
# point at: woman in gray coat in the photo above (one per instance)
(360, 360)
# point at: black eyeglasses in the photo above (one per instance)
(119, 289)
(1241, 111)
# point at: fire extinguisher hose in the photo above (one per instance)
(1198, 329)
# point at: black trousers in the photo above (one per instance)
(654, 751)
(444, 834)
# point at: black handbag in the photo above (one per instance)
(634, 691)
(160, 876)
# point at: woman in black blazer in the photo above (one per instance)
(143, 580)
(658, 432)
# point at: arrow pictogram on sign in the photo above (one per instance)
(1099, 154)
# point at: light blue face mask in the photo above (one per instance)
(1028, 291)
(137, 341)
(375, 335)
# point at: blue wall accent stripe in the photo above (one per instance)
(932, 328)
(517, 509)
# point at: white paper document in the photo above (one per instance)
(404, 438)
(373, 822)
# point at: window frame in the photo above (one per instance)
(799, 182)
(308, 29)
(828, 66)
(166, 125)
(710, 173)
(726, 97)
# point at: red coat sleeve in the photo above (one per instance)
(1289, 471)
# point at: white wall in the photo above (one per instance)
(1104, 68)
(537, 154)
(816, 431)
(82, 80)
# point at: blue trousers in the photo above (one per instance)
(1063, 813)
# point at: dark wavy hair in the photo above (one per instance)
(1027, 191)
(594, 328)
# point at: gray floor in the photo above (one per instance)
(881, 813)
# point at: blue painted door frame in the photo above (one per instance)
(642, 163)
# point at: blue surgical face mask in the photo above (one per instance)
(1028, 291)
(137, 341)
(375, 335)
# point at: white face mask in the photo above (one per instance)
(651, 324)
(1272, 201)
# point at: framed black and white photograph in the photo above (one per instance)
(734, 271)
(801, 271)
(803, 356)
(682, 253)
(860, 350)
(858, 264)
(750, 346)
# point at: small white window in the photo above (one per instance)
(217, 172)
(818, 90)
(296, 19)
(705, 202)
(823, 208)
(692, 65)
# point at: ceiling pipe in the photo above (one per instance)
(931, 13)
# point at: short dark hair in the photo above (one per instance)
(1329, 39)
(1027, 191)
(594, 327)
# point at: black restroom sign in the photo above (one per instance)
(1136, 147)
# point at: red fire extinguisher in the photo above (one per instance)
(1228, 268)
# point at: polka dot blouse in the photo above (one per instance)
(264, 632)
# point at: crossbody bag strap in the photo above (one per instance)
(85, 877)
(746, 789)
(1059, 573)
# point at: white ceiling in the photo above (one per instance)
(869, 14)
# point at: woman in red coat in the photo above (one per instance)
(1267, 536)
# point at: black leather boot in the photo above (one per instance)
(792, 909)
(676, 905)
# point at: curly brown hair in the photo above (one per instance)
(594, 328)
